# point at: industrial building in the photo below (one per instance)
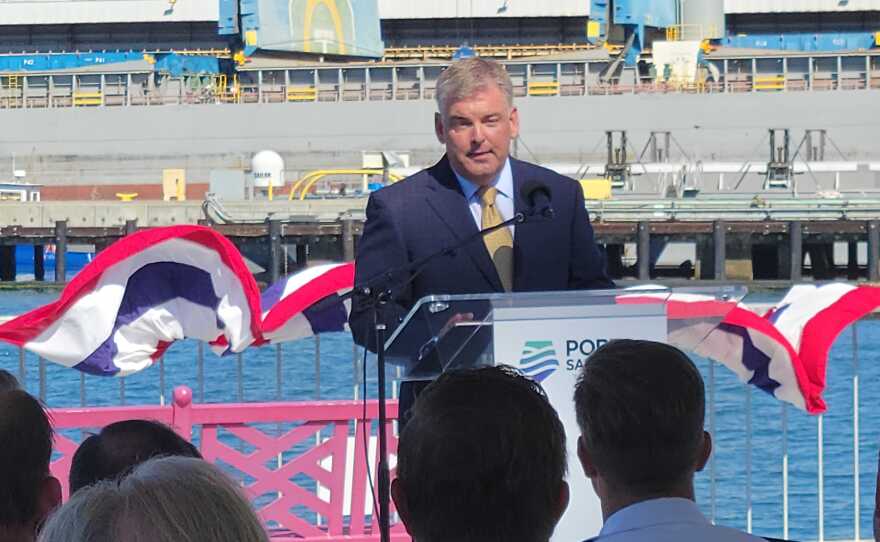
(703, 85)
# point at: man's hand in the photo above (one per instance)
(454, 321)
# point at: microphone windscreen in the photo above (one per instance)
(532, 188)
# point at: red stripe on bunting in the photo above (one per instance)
(749, 320)
(332, 281)
(822, 329)
(26, 327)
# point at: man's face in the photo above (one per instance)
(477, 132)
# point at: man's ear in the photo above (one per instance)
(585, 459)
(439, 129)
(50, 498)
(399, 497)
(564, 497)
(514, 123)
(705, 452)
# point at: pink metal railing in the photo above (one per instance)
(322, 440)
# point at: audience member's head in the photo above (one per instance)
(165, 499)
(121, 446)
(8, 382)
(481, 459)
(640, 407)
(27, 491)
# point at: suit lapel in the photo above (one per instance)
(446, 199)
(527, 242)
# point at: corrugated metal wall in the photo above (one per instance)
(707, 16)
(449, 9)
(796, 6)
(106, 11)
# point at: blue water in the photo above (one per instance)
(338, 377)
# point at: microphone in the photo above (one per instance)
(539, 199)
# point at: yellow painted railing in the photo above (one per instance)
(769, 82)
(88, 98)
(302, 94)
(544, 88)
(496, 51)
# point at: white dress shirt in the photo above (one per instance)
(503, 201)
(666, 520)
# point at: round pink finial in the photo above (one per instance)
(183, 396)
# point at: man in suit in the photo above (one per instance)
(474, 186)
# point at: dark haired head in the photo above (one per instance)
(8, 382)
(640, 407)
(481, 459)
(27, 491)
(121, 446)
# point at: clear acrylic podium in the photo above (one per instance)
(548, 336)
(458, 331)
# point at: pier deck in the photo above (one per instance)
(765, 238)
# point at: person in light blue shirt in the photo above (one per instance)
(640, 406)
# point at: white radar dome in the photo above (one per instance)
(268, 169)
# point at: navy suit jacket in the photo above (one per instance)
(427, 212)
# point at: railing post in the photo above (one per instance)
(318, 367)
(42, 392)
(820, 475)
(748, 459)
(22, 368)
(857, 490)
(60, 250)
(784, 470)
(200, 370)
(712, 477)
(279, 373)
(239, 377)
(181, 412)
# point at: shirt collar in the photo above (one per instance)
(503, 183)
(653, 512)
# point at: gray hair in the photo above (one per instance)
(467, 76)
(168, 499)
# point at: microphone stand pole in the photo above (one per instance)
(380, 293)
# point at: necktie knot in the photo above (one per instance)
(487, 195)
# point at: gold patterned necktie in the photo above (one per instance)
(499, 243)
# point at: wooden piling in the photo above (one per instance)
(719, 249)
(39, 263)
(348, 240)
(643, 251)
(275, 249)
(61, 251)
(796, 250)
(302, 255)
(7, 262)
(874, 250)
